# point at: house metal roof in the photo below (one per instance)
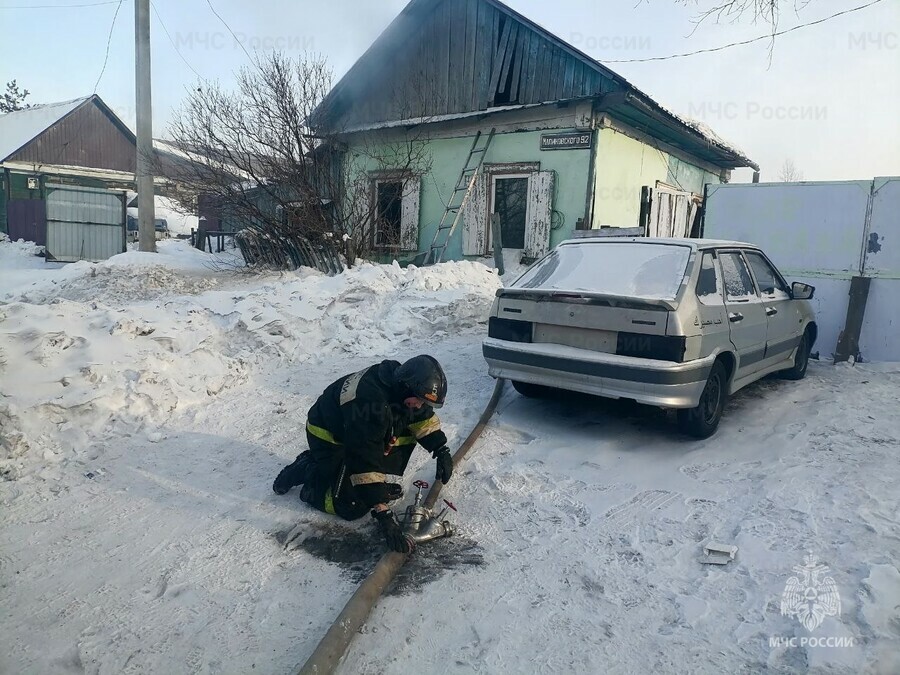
(18, 128)
(631, 105)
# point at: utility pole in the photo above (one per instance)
(144, 173)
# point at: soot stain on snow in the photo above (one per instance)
(358, 551)
(354, 550)
(432, 560)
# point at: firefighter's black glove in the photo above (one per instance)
(444, 465)
(393, 533)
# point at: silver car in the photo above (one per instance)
(676, 323)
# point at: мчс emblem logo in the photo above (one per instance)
(810, 597)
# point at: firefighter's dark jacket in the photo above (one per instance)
(363, 415)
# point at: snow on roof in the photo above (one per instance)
(19, 127)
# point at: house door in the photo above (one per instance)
(509, 200)
(27, 219)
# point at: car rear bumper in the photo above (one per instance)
(662, 383)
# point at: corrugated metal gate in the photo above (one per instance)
(84, 223)
(825, 234)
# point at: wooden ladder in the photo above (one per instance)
(459, 197)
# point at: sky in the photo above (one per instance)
(827, 100)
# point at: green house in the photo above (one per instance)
(466, 118)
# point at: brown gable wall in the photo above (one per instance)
(86, 137)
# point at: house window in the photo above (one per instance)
(388, 213)
(510, 202)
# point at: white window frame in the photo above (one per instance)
(499, 175)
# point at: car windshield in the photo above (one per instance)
(626, 269)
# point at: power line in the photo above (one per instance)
(743, 42)
(108, 43)
(90, 4)
(208, 2)
(175, 46)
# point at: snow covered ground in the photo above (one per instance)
(147, 402)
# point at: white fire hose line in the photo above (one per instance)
(334, 645)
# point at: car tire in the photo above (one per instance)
(801, 360)
(530, 390)
(702, 421)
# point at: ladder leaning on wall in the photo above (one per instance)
(459, 197)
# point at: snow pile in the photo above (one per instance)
(97, 350)
(143, 534)
(18, 254)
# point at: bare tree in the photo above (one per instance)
(731, 11)
(789, 172)
(254, 154)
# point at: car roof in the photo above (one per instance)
(697, 244)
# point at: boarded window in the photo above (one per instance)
(672, 213)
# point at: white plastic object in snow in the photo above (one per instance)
(718, 554)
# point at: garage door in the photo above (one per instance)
(84, 223)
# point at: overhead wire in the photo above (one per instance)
(88, 4)
(108, 43)
(743, 42)
(225, 23)
(174, 45)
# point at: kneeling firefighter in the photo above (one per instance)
(364, 426)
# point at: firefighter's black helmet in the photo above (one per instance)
(423, 376)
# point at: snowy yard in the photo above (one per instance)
(147, 403)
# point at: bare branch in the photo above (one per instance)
(253, 154)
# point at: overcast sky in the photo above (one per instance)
(829, 100)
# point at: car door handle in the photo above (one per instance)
(771, 311)
(734, 317)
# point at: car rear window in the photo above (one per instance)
(628, 269)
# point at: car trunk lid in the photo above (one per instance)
(599, 322)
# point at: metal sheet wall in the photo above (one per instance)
(880, 333)
(824, 234)
(84, 223)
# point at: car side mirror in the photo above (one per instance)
(801, 291)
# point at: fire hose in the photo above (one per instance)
(333, 646)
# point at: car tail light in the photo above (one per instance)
(509, 329)
(659, 347)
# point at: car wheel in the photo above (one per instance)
(801, 360)
(702, 421)
(532, 390)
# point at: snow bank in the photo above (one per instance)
(97, 350)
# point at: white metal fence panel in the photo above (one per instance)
(84, 223)
(881, 326)
(822, 234)
(882, 245)
(808, 229)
